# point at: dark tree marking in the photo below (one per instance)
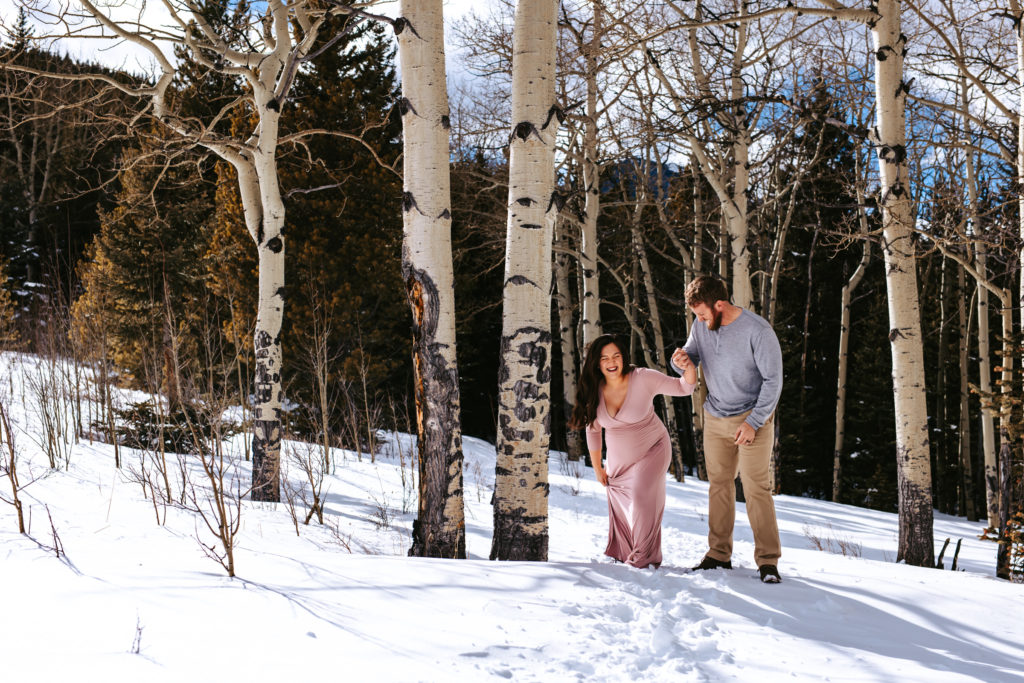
(511, 543)
(558, 200)
(262, 342)
(409, 203)
(523, 130)
(445, 215)
(531, 226)
(554, 112)
(275, 245)
(446, 122)
(520, 280)
(401, 23)
(526, 201)
(437, 404)
(266, 449)
(894, 154)
(405, 106)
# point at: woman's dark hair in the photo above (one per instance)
(588, 389)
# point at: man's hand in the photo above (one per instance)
(681, 360)
(745, 435)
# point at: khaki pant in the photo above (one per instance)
(724, 458)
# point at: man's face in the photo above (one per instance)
(710, 316)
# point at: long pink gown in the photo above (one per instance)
(639, 451)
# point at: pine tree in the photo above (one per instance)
(8, 329)
(345, 237)
(144, 275)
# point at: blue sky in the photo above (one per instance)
(117, 54)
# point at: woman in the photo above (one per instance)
(617, 397)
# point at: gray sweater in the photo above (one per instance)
(742, 367)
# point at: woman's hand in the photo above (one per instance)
(682, 360)
(602, 476)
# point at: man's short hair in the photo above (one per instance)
(705, 289)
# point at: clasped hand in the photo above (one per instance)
(681, 360)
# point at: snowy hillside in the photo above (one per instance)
(133, 600)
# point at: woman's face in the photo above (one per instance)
(611, 361)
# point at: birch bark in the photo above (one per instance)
(913, 457)
(964, 432)
(844, 347)
(439, 529)
(592, 189)
(988, 439)
(524, 375)
(567, 338)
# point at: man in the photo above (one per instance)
(743, 371)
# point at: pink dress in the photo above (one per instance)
(639, 451)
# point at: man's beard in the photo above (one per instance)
(716, 320)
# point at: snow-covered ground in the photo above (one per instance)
(131, 600)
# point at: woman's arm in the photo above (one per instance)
(660, 383)
(595, 462)
(594, 447)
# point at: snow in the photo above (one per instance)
(133, 600)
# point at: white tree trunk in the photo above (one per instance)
(913, 457)
(266, 447)
(440, 528)
(964, 432)
(524, 375)
(988, 438)
(567, 339)
(266, 224)
(737, 225)
(844, 347)
(592, 197)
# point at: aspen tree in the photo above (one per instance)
(844, 343)
(279, 39)
(964, 431)
(913, 458)
(567, 343)
(591, 305)
(524, 374)
(440, 528)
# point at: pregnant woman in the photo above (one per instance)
(614, 396)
